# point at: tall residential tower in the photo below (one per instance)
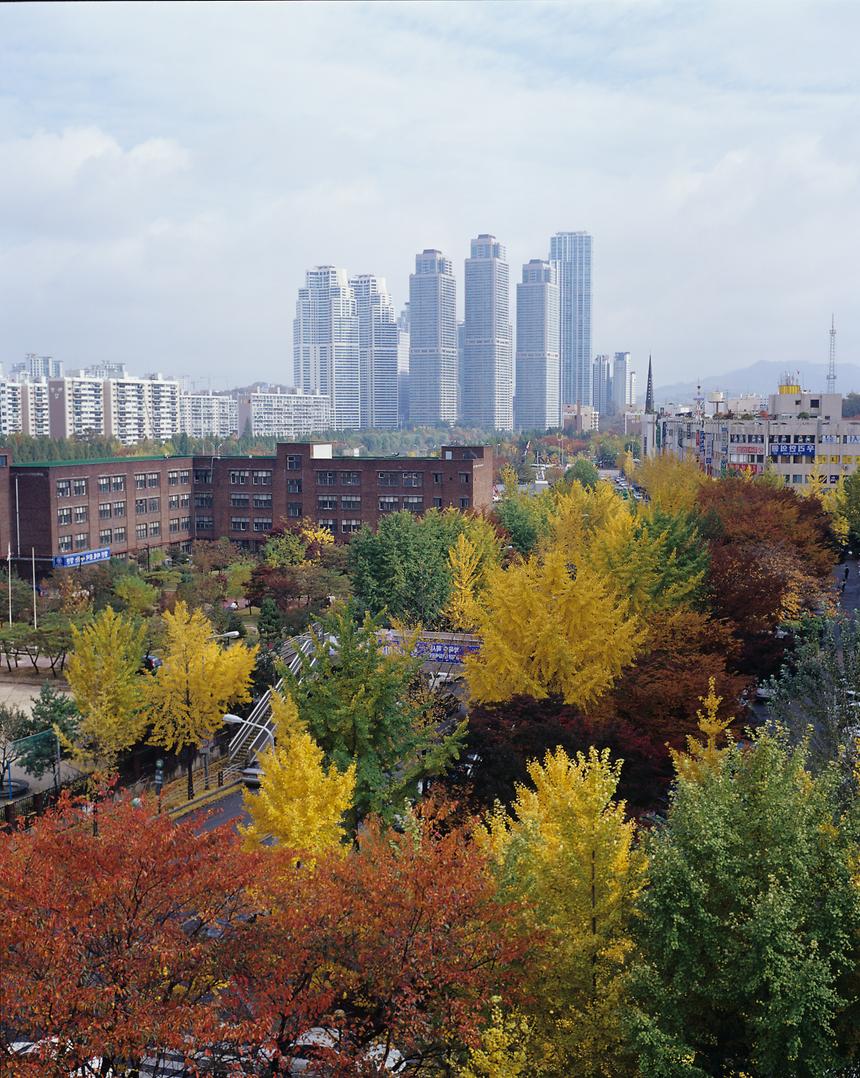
(326, 352)
(570, 253)
(432, 340)
(377, 347)
(486, 377)
(537, 401)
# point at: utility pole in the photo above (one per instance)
(831, 365)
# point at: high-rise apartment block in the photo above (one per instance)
(570, 253)
(208, 415)
(326, 353)
(36, 368)
(433, 374)
(293, 414)
(537, 399)
(403, 366)
(486, 377)
(601, 385)
(24, 409)
(623, 381)
(378, 355)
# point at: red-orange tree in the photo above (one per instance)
(110, 942)
(400, 945)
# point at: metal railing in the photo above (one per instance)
(257, 729)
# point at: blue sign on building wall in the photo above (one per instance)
(789, 449)
(83, 557)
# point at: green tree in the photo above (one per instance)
(367, 707)
(816, 696)
(583, 471)
(851, 508)
(137, 596)
(526, 519)
(403, 567)
(284, 550)
(53, 713)
(269, 623)
(747, 927)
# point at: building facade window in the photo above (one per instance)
(437, 503)
(465, 503)
(155, 529)
(413, 479)
(350, 479)
(81, 541)
(64, 488)
(174, 525)
(173, 501)
(140, 481)
(326, 479)
(203, 501)
(464, 477)
(140, 506)
(294, 510)
(153, 479)
(238, 477)
(388, 479)
(240, 501)
(294, 486)
(154, 505)
(389, 505)
(141, 531)
(327, 503)
(262, 479)
(64, 544)
(262, 501)
(105, 537)
(104, 484)
(203, 476)
(413, 503)
(437, 478)
(327, 523)
(119, 509)
(172, 479)
(205, 524)
(350, 501)
(104, 511)
(117, 482)
(82, 514)
(79, 488)
(294, 463)
(184, 476)
(263, 524)
(185, 523)
(119, 535)
(239, 524)
(347, 527)
(64, 517)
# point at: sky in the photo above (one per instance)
(169, 172)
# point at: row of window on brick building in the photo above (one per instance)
(79, 514)
(78, 487)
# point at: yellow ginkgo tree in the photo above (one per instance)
(197, 681)
(550, 626)
(300, 803)
(466, 580)
(568, 854)
(104, 675)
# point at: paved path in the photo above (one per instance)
(227, 810)
(850, 597)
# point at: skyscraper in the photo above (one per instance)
(570, 252)
(537, 401)
(403, 365)
(432, 340)
(377, 347)
(486, 380)
(326, 346)
(601, 385)
(621, 381)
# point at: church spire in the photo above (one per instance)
(649, 392)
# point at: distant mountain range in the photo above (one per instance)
(762, 377)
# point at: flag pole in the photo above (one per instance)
(9, 577)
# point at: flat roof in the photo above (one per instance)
(96, 460)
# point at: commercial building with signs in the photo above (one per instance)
(802, 434)
(68, 512)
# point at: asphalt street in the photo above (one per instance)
(229, 810)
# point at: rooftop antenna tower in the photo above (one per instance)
(699, 402)
(831, 365)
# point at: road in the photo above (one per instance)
(228, 810)
(850, 598)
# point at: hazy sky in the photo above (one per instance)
(168, 172)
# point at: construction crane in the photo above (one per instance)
(831, 365)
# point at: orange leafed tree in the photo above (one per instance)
(109, 941)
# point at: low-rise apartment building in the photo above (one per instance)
(802, 434)
(67, 512)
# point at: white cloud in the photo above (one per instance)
(169, 172)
